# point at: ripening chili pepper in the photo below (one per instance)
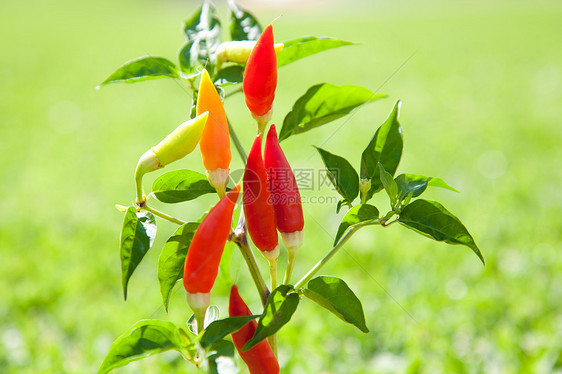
(238, 51)
(176, 145)
(285, 197)
(215, 142)
(260, 358)
(205, 252)
(260, 78)
(258, 210)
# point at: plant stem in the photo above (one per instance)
(232, 93)
(253, 267)
(290, 265)
(273, 272)
(200, 318)
(236, 142)
(239, 237)
(330, 254)
(138, 184)
(163, 215)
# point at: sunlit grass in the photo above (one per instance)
(481, 90)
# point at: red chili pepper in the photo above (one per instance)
(205, 251)
(260, 78)
(260, 358)
(259, 212)
(283, 186)
(285, 197)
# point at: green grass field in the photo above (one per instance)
(481, 86)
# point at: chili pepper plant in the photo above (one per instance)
(247, 64)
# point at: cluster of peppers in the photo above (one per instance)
(271, 199)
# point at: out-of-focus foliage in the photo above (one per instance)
(481, 109)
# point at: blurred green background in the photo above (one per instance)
(481, 85)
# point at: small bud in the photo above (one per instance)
(364, 187)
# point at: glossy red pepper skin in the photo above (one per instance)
(258, 209)
(260, 359)
(283, 186)
(205, 251)
(260, 75)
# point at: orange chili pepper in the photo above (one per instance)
(215, 141)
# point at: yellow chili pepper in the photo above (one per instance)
(238, 51)
(182, 141)
(176, 145)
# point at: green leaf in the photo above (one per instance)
(278, 311)
(221, 328)
(243, 24)
(324, 103)
(221, 358)
(385, 147)
(230, 75)
(143, 68)
(181, 185)
(137, 236)
(357, 214)
(417, 184)
(296, 49)
(144, 339)
(389, 185)
(341, 204)
(342, 175)
(189, 58)
(334, 294)
(410, 184)
(438, 182)
(172, 259)
(431, 219)
(204, 29)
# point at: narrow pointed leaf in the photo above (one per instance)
(172, 259)
(181, 185)
(278, 311)
(357, 214)
(297, 49)
(385, 147)
(324, 103)
(204, 30)
(221, 328)
(144, 339)
(389, 185)
(438, 182)
(431, 219)
(243, 24)
(410, 184)
(335, 295)
(137, 236)
(143, 68)
(341, 204)
(417, 184)
(188, 56)
(342, 175)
